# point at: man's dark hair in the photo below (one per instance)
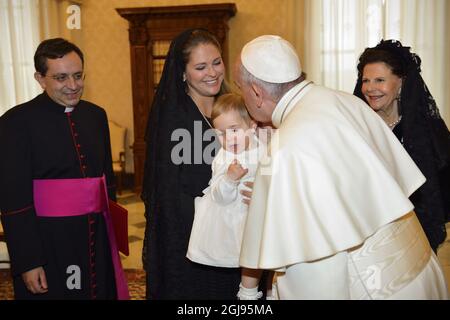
(53, 49)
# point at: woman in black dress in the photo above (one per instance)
(180, 147)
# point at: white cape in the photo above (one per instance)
(336, 174)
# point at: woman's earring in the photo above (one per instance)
(184, 77)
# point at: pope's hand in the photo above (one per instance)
(247, 193)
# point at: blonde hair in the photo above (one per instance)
(230, 102)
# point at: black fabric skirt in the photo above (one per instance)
(170, 275)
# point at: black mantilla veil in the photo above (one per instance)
(170, 107)
(425, 136)
(169, 100)
(169, 190)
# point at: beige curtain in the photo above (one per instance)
(19, 36)
(423, 26)
(337, 31)
(23, 24)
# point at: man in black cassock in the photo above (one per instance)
(56, 136)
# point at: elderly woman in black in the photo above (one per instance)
(389, 80)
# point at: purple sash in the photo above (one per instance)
(76, 197)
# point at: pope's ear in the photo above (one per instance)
(259, 93)
(41, 79)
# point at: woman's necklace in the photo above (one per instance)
(204, 117)
(396, 122)
(199, 110)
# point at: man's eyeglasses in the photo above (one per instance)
(64, 77)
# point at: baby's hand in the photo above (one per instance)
(236, 171)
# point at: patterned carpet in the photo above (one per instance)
(136, 284)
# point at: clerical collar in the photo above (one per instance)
(51, 105)
(288, 101)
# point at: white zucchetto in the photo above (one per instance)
(272, 59)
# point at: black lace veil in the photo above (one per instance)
(169, 102)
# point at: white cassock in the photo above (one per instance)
(330, 210)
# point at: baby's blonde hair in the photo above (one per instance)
(230, 102)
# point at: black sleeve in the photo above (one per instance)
(445, 189)
(16, 196)
(109, 174)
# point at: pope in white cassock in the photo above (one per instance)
(330, 210)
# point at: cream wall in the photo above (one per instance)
(106, 47)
